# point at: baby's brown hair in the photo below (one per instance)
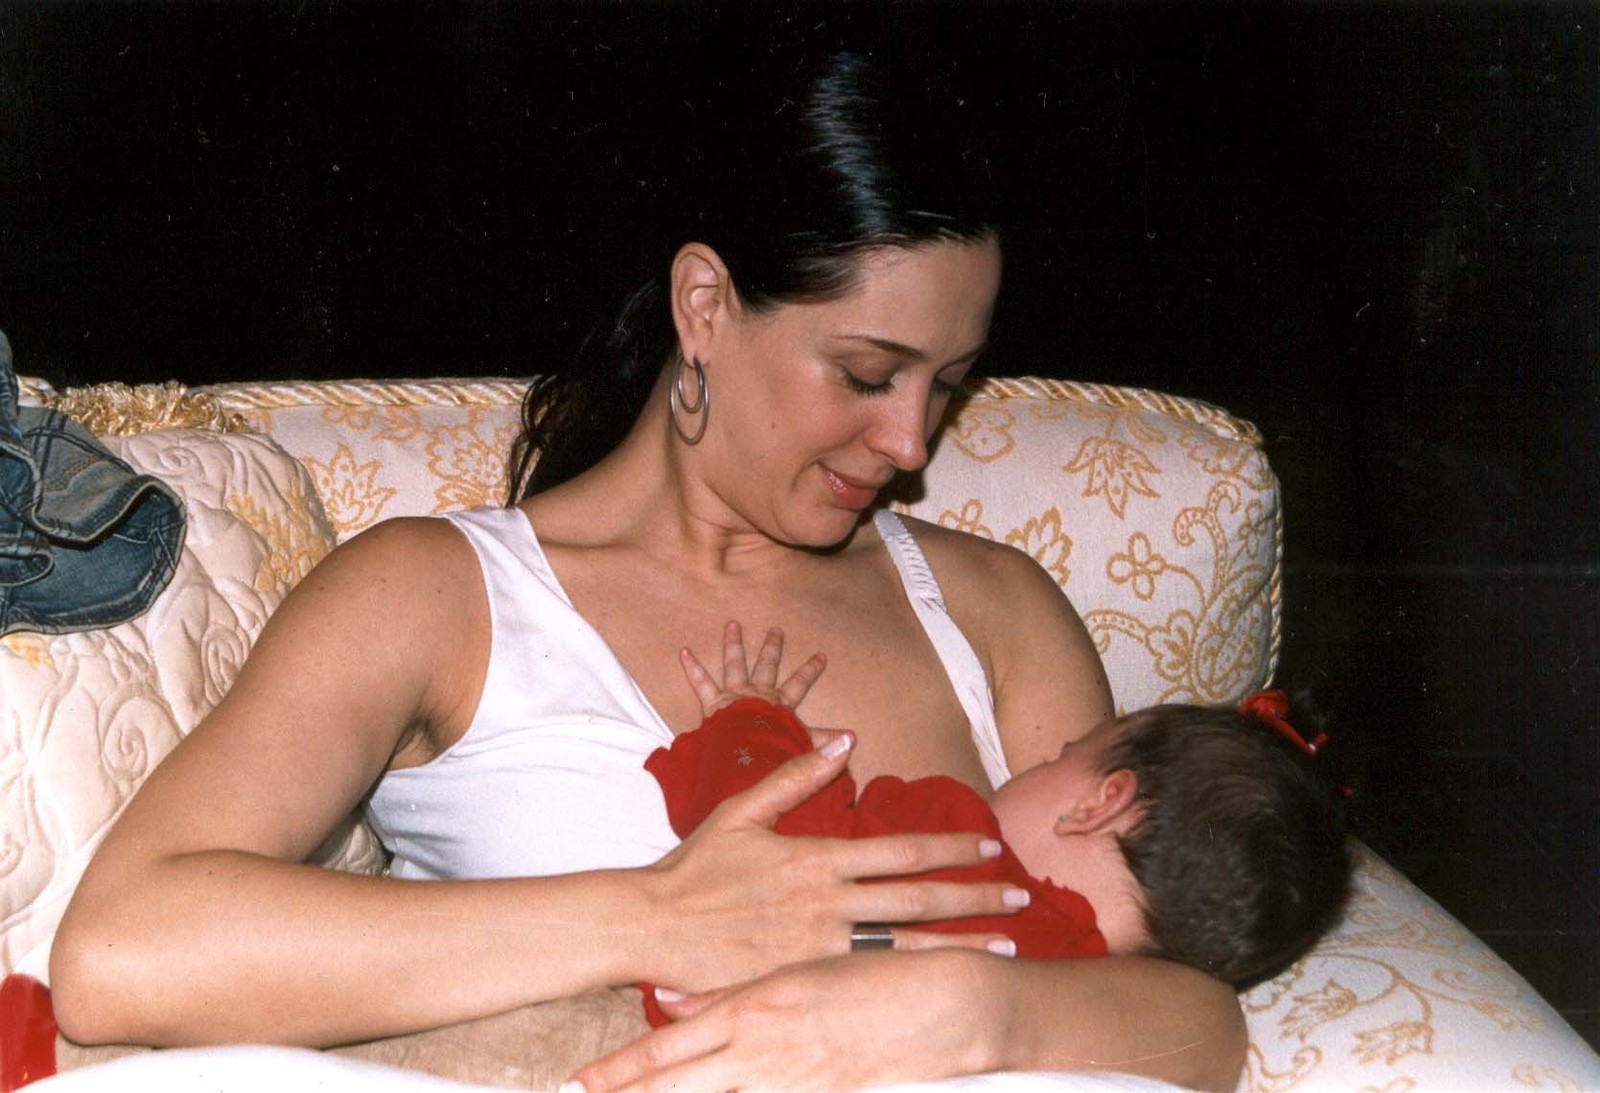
(1240, 847)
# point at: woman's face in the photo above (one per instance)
(816, 406)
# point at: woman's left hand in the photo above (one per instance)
(822, 1027)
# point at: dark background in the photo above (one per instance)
(1371, 229)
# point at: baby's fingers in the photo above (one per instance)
(705, 688)
(735, 672)
(768, 657)
(800, 680)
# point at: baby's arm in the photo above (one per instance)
(739, 680)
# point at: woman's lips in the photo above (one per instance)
(851, 493)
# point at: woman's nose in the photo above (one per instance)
(900, 433)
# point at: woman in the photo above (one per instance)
(494, 681)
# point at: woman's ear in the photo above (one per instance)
(1109, 805)
(702, 295)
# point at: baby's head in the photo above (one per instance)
(1197, 833)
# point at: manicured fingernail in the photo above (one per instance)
(1016, 897)
(1004, 947)
(989, 848)
(837, 746)
(666, 994)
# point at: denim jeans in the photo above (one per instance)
(84, 541)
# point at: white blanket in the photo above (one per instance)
(256, 1069)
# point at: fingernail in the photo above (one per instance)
(1003, 947)
(1016, 897)
(989, 848)
(838, 746)
(666, 994)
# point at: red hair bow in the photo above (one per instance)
(1271, 708)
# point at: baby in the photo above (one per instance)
(1196, 833)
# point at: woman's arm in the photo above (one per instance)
(877, 1018)
(196, 923)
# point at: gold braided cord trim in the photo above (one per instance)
(425, 392)
(1275, 588)
(116, 409)
(1212, 417)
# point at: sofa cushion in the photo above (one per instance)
(85, 716)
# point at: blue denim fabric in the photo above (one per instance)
(84, 541)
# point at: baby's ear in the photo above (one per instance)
(1110, 804)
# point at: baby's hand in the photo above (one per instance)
(740, 681)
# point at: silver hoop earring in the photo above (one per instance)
(679, 402)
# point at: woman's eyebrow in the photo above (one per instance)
(911, 352)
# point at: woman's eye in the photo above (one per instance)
(862, 387)
(945, 388)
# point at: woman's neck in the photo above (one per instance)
(646, 496)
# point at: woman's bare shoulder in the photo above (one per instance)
(1046, 675)
(388, 632)
(413, 549)
(411, 581)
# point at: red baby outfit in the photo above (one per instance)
(741, 744)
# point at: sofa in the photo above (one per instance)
(1159, 516)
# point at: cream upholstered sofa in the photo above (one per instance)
(1160, 517)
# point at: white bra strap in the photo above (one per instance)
(961, 664)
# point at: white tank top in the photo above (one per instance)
(549, 777)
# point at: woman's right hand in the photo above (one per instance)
(735, 901)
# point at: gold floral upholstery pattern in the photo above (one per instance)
(1160, 518)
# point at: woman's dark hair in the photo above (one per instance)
(1240, 851)
(794, 171)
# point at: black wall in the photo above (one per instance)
(1371, 229)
